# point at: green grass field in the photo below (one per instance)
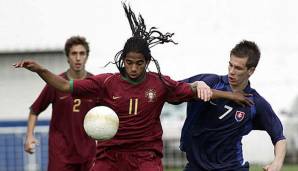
(285, 168)
(257, 168)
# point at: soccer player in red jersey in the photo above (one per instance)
(137, 96)
(70, 149)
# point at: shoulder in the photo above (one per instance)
(258, 99)
(160, 80)
(155, 76)
(89, 74)
(261, 104)
(63, 75)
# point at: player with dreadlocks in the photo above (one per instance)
(141, 41)
(137, 96)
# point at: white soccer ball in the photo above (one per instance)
(101, 123)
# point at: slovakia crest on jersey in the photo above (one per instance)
(150, 94)
(239, 115)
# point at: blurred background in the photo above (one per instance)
(206, 31)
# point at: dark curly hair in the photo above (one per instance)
(141, 40)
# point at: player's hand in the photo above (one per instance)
(28, 64)
(272, 167)
(204, 92)
(30, 144)
(242, 99)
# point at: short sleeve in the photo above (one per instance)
(267, 120)
(178, 91)
(46, 97)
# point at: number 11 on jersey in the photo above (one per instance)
(133, 106)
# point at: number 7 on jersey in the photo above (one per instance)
(227, 112)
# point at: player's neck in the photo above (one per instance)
(135, 81)
(239, 87)
(76, 75)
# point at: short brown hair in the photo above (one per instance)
(247, 49)
(76, 40)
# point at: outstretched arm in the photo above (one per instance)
(50, 78)
(202, 90)
(238, 97)
(205, 93)
(280, 152)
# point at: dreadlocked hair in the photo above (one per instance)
(141, 41)
(138, 28)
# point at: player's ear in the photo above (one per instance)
(251, 70)
(147, 64)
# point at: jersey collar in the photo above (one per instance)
(134, 82)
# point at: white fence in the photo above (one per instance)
(13, 157)
(257, 146)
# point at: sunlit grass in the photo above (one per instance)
(285, 168)
(255, 168)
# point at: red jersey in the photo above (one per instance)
(138, 106)
(67, 139)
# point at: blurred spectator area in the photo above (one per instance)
(19, 87)
(290, 124)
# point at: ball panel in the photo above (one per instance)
(101, 123)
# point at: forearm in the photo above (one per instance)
(32, 118)
(204, 92)
(56, 81)
(280, 152)
(217, 94)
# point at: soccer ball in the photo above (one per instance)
(101, 123)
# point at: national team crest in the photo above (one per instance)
(239, 115)
(150, 94)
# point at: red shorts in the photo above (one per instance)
(58, 164)
(113, 160)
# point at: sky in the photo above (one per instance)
(206, 31)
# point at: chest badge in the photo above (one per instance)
(239, 116)
(150, 94)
